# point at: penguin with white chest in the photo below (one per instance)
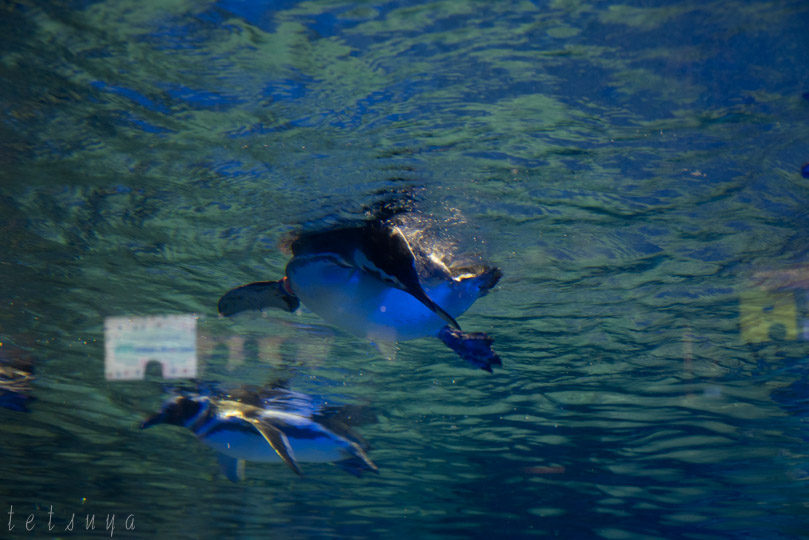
(287, 427)
(369, 280)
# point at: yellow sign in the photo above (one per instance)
(767, 314)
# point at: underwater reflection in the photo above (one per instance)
(184, 346)
(774, 322)
(16, 374)
(270, 425)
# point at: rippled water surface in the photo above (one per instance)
(633, 168)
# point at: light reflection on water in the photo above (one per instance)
(633, 169)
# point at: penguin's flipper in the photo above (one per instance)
(257, 296)
(390, 257)
(278, 441)
(474, 347)
(362, 459)
(232, 468)
(422, 297)
(355, 467)
(341, 420)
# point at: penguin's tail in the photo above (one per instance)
(257, 296)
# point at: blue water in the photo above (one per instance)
(635, 170)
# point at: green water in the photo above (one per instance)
(630, 167)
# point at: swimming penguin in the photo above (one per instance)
(287, 427)
(16, 374)
(370, 280)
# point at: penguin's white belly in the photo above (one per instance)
(360, 303)
(253, 447)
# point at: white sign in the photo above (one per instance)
(130, 343)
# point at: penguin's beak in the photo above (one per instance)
(153, 420)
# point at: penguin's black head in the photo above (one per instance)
(177, 412)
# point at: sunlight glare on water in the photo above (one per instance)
(634, 169)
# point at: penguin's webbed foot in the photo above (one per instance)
(474, 347)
